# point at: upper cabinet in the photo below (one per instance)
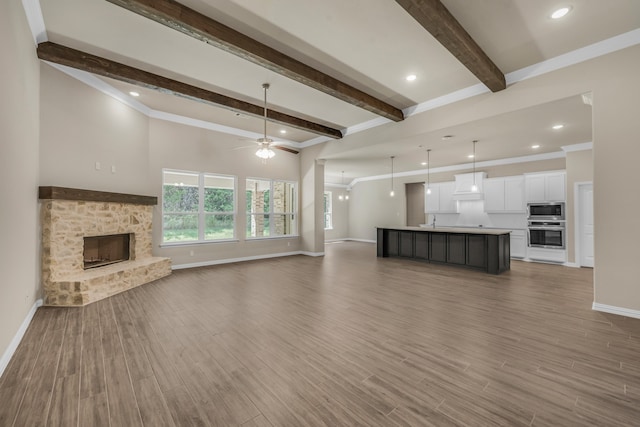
(504, 194)
(441, 198)
(545, 187)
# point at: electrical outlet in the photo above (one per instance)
(113, 169)
(97, 166)
(191, 253)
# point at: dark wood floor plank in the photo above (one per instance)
(41, 386)
(64, 403)
(153, 407)
(94, 410)
(344, 339)
(123, 407)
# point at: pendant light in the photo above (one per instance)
(428, 170)
(474, 187)
(392, 193)
(265, 152)
(342, 196)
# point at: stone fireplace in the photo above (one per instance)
(95, 244)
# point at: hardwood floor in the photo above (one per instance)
(344, 340)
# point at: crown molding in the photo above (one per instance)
(466, 166)
(577, 147)
(35, 20)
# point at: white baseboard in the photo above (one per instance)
(349, 239)
(621, 311)
(13, 345)
(361, 240)
(249, 258)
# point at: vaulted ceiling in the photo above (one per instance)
(334, 66)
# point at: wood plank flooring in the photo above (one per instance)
(343, 340)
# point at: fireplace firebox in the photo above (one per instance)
(105, 250)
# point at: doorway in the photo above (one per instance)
(415, 203)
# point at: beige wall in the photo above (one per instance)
(81, 126)
(579, 169)
(312, 197)
(175, 146)
(340, 215)
(19, 130)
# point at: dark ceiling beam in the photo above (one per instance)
(201, 27)
(63, 55)
(437, 20)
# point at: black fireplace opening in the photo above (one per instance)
(105, 250)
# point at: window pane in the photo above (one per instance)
(283, 197)
(327, 220)
(283, 225)
(258, 195)
(258, 225)
(179, 192)
(179, 228)
(219, 227)
(218, 194)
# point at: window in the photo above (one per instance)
(197, 207)
(328, 211)
(271, 208)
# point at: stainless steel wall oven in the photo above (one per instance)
(546, 234)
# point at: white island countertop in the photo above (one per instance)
(463, 230)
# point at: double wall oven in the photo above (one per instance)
(546, 225)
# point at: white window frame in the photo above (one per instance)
(328, 213)
(271, 214)
(202, 215)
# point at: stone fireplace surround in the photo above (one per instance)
(67, 216)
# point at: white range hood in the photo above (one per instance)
(464, 182)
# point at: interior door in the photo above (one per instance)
(585, 226)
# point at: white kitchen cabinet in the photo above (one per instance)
(518, 243)
(544, 187)
(441, 198)
(514, 194)
(494, 195)
(432, 201)
(504, 194)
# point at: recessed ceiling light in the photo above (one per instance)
(560, 12)
(535, 146)
(411, 77)
(136, 94)
(447, 137)
(556, 127)
(424, 163)
(283, 131)
(471, 156)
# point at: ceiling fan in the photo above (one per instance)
(266, 144)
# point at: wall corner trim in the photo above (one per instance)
(621, 311)
(13, 345)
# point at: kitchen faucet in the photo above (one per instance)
(434, 221)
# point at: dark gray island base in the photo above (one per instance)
(486, 250)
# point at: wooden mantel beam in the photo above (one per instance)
(437, 20)
(189, 22)
(63, 55)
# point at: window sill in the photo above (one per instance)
(291, 236)
(191, 243)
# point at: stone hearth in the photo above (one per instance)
(69, 215)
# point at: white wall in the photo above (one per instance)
(19, 130)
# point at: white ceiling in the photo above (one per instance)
(369, 44)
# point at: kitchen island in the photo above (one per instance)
(477, 248)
